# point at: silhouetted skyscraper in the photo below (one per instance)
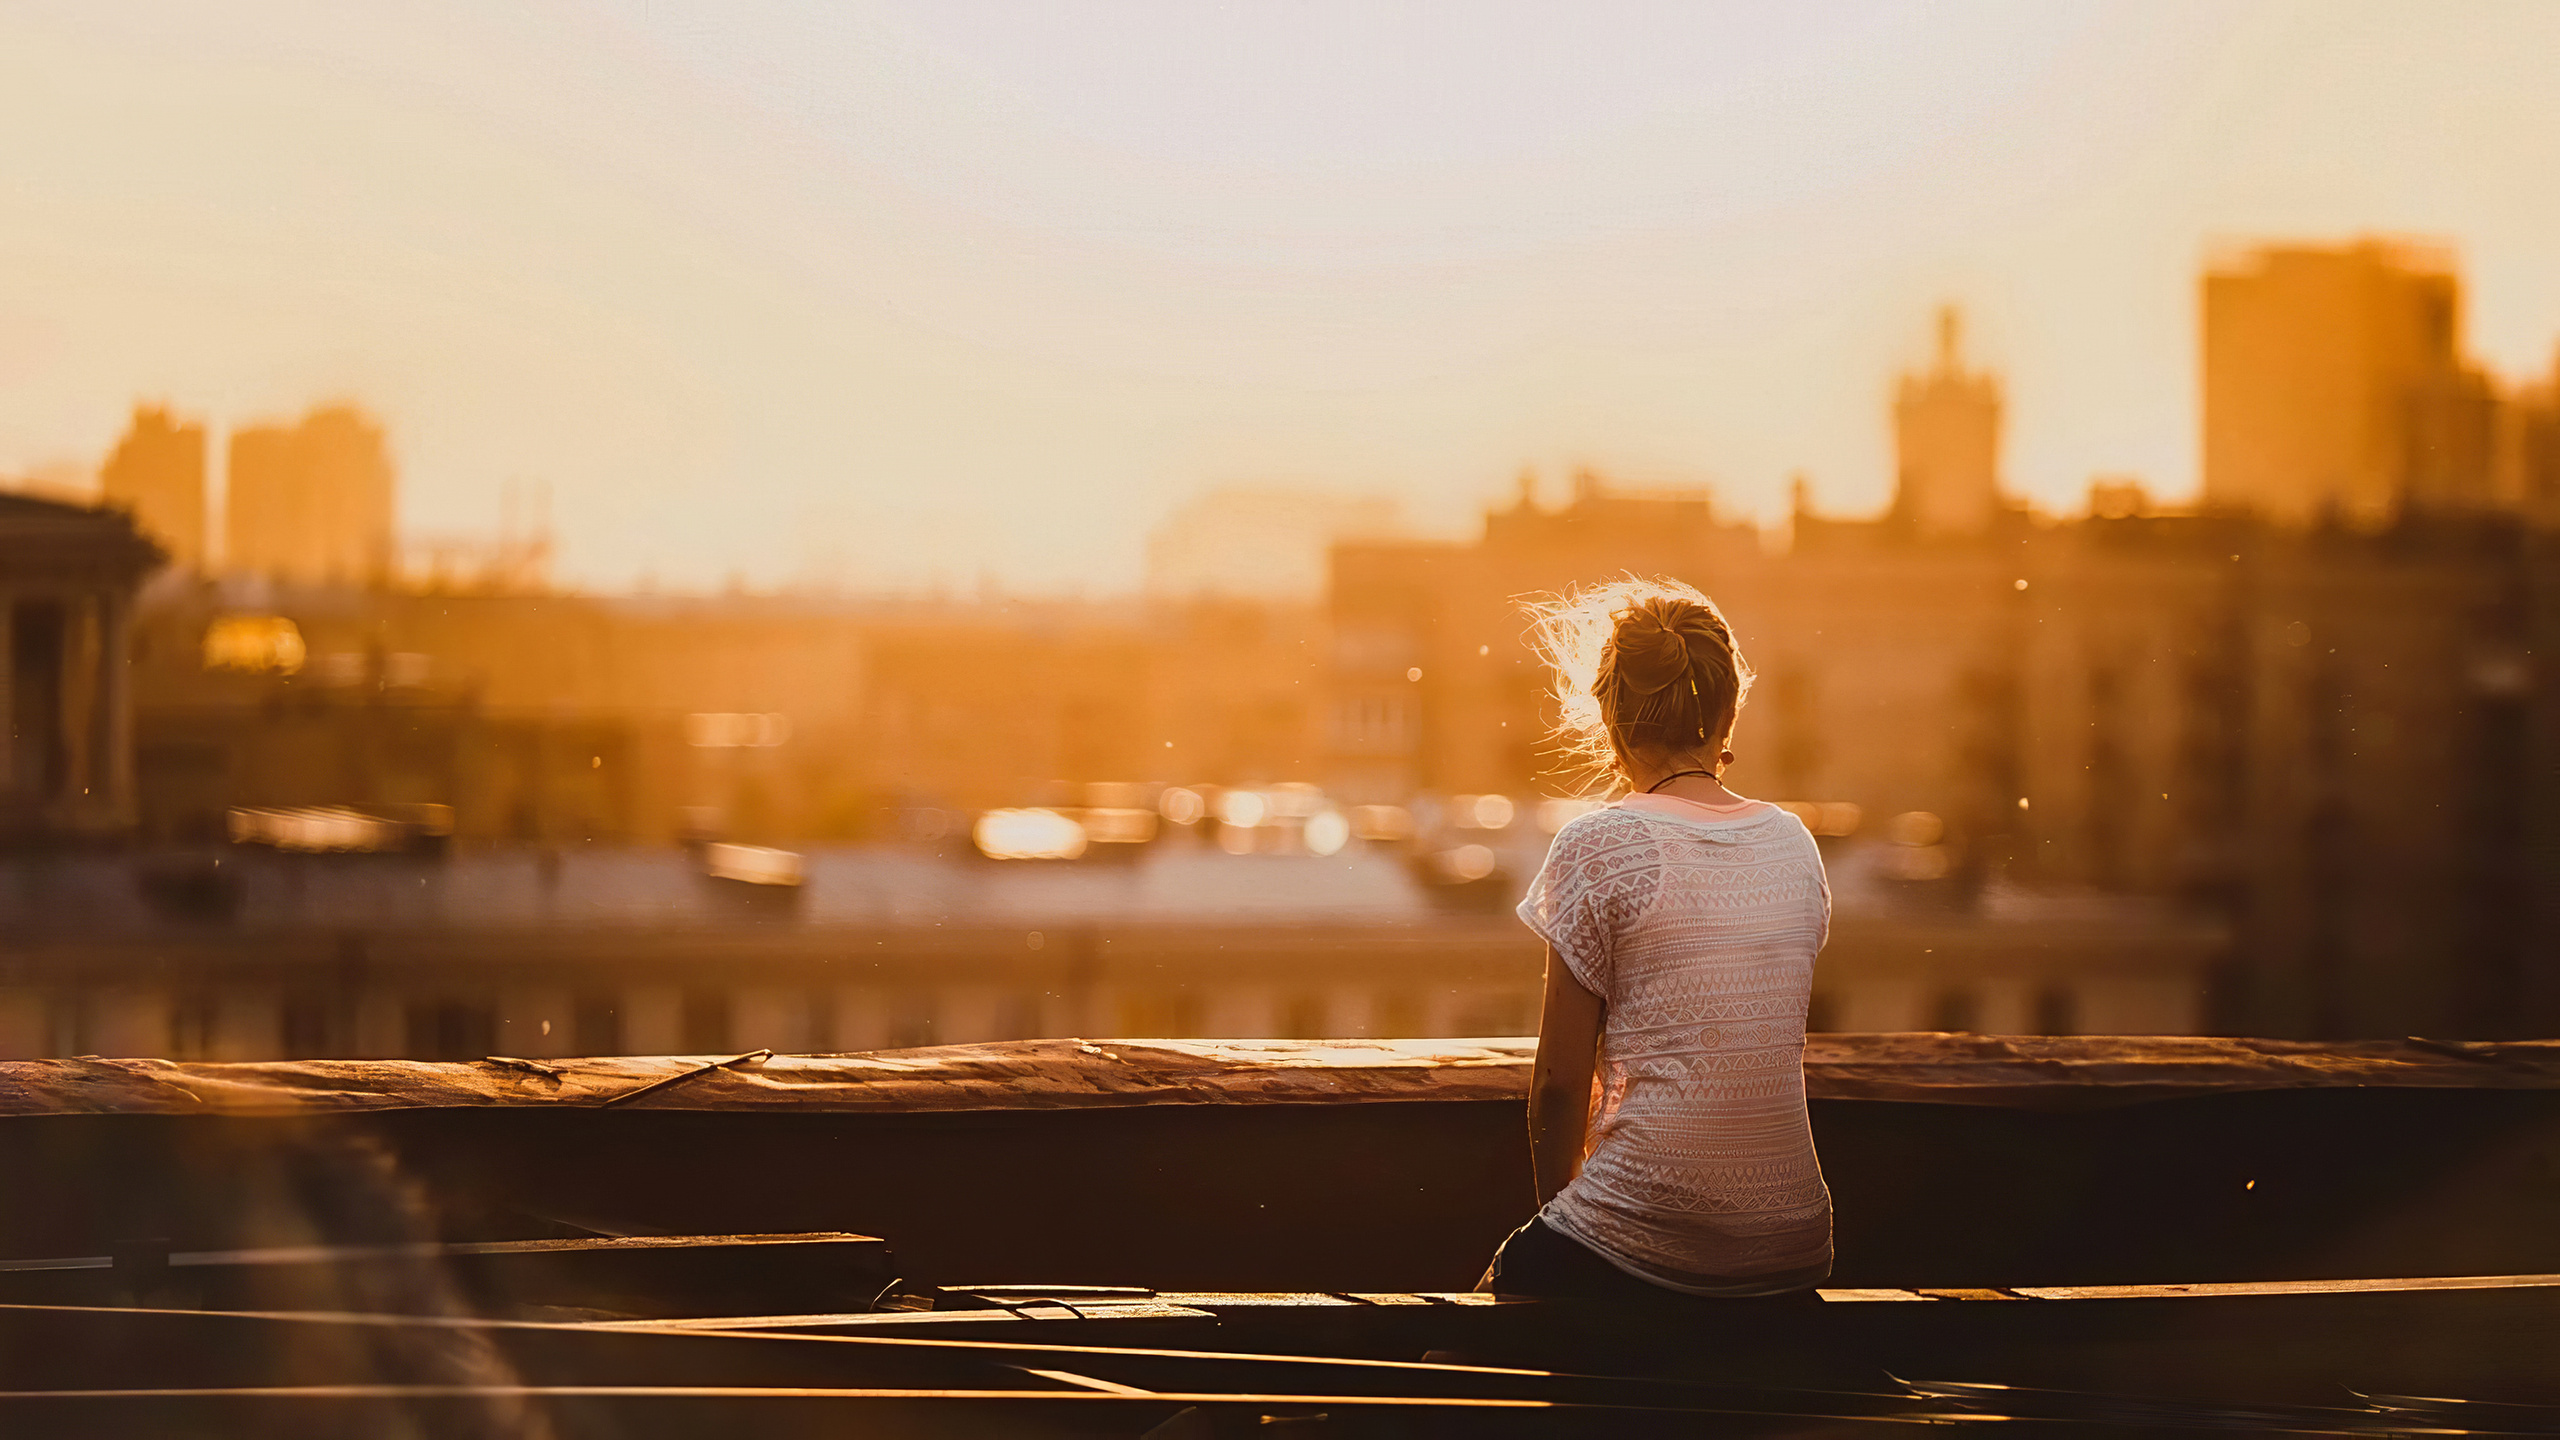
(2334, 386)
(313, 502)
(1946, 431)
(156, 475)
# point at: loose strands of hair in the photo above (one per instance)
(1617, 655)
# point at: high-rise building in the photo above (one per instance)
(2528, 461)
(2334, 386)
(1946, 432)
(156, 475)
(312, 502)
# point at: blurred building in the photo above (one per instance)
(2335, 386)
(774, 719)
(2344, 742)
(516, 560)
(2528, 461)
(312, 502)
(1946, 430)
(2342, 739)
(156, 475)
(67, 579)
(65, 481)
(2337, 743)
(631, 952)
(1260, 542)
(1431, 688)
(537, 719)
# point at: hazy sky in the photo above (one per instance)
(899, 292)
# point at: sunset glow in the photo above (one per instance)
(903, 295)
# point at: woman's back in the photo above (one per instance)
(1697, 929)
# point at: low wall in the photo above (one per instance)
(1953, 1160)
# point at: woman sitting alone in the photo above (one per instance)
(1681, 923)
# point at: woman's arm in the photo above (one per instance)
(1560, 1084)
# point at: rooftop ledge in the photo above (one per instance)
(2024, 1072)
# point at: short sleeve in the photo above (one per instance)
(1822, 876)
(1822, 888)
(1600, 870)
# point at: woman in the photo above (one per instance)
(1681, 924)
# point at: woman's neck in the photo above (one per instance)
(1685, 777)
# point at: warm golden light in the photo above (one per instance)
(1117, 826)
(729, 732)
(1027, 835)
(1381, 822)
(269, 643)
(868, 671)
(1467, 862)
(1833, 819)
(746, 466)
(753, 864)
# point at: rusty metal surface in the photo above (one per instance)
(2026, 1072)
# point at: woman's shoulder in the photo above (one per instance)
(1615, 825)
(1791, 822)
(1749, 817)
(1784, 827)
(1758, 835)
(1596, 832)
(1610, 820)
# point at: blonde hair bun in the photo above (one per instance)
(1639, 667)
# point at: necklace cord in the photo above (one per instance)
(1675, 775)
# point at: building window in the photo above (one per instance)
(1372, 722)
(1375, 647)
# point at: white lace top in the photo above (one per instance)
(1697, 929)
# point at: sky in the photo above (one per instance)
(954, 293)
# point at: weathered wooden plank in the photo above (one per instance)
(2031, 1072)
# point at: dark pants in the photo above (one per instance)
(1550, 1265)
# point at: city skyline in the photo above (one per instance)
(2339, 389)
(1051, 316)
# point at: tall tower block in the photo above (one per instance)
(2333, 383)
(312, 503)
(156, 475)
(1946, 432)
